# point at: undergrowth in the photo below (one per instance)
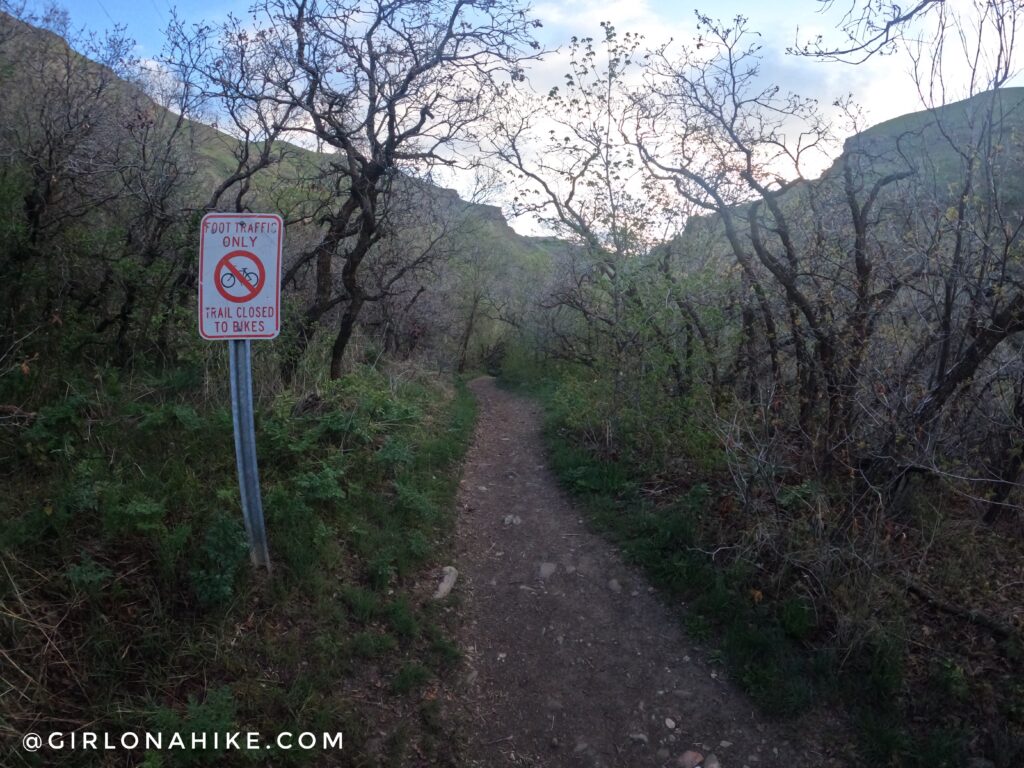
(127, 601)
(786, 650)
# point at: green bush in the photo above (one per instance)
(215, 713)
(88, 576)
(222, 552)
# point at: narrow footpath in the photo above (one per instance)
(572, 660)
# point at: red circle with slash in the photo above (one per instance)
(231, 275)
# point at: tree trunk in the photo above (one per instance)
(345, 329)
(1005, 323)
(1011, 464)
(464, 344)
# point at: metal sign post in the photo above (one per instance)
(240, 300)
(240, 355)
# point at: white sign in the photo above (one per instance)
(240, 276)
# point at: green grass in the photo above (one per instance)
(410, 677)
(123, 521)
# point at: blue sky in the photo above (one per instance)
(883, 86)
(146, 19)
(884, 89)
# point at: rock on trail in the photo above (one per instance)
(448, 578)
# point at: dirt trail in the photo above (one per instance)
(572, 660)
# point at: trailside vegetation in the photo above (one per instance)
(128, 599)
(796, 399)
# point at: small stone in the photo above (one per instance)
(670, 723)
(711, 762)
(662, 755)
(555, 743)
(640, 738)
(471, 677)
(614, 586)
(725, 744)
(447, 582)
(547, 570)
(689, 759)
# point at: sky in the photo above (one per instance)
(882, 86)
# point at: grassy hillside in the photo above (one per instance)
(934, 144)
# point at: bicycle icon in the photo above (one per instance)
(228, 279)
(239, 276)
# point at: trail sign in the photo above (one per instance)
(240, 300)
(240, 276)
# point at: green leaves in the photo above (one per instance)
(222, 553)
(137, 515)
(88, 576)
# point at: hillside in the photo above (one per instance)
(217, 151)
(930, 147)
(957, 123)
(936, 145)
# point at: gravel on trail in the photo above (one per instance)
(571, 658)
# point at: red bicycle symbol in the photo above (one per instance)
(237, 279)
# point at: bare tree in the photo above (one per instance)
(902, 252)
(59, 126)
(570, 155)
(84, 142)
(381, 87)
(869, 27)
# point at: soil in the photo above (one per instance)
(572, 659)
